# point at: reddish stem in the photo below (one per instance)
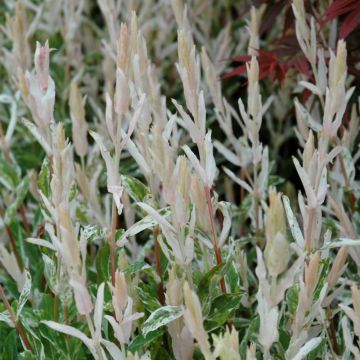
(13, 246)
(17, 325)
(22, 212)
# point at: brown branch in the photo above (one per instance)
(17, 324)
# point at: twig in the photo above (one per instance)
(17, 325)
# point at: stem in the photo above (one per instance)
(12, 242)
(333, 335)
(17, 325)
(93, 336)
(214, 236)
(161, 294)
(112, 244)
(22, 212)
(13, 247)
(242, 196)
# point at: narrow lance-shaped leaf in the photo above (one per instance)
(161, 317)
(25, 293)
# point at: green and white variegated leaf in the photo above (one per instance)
(135, 188)
(226, 212)
(304, 116)
(50, 272)
(25, 293)
(349, 164)
(5, 317)
(93, 232)
(43, 180)
(136, 267)
(9, 176)
(38, 136)
(146, 223)
(161, 317)
(304, 177)
(342, 242)
(307, 348)
(21, 191)
(294, 226)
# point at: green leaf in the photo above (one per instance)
(161, 317)
(141, 341)
(135, 188)
(221, 308)
(102, 263)
(233, 278)
(21, 191)
(93, 232)
(148, 297)
(10, 345)
(214, 274)
(292, 298)
(135, 267)
(43, 181)
(25, 293)
(9, 177)
(252, 328)
(27, 355)
(322, 278)
(73, 191)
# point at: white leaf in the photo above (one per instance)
(156, 216)
(228, 155)
(310, 194)
(41, 242)
(113, 350)
(307, 348)
(98, 312)
(294, 226)
(210, 167)
(313, 88)
(69, 330)
(135, 153)
(196, 164)
(240, 182)
(342, 242)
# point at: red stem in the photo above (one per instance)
(17, 325)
